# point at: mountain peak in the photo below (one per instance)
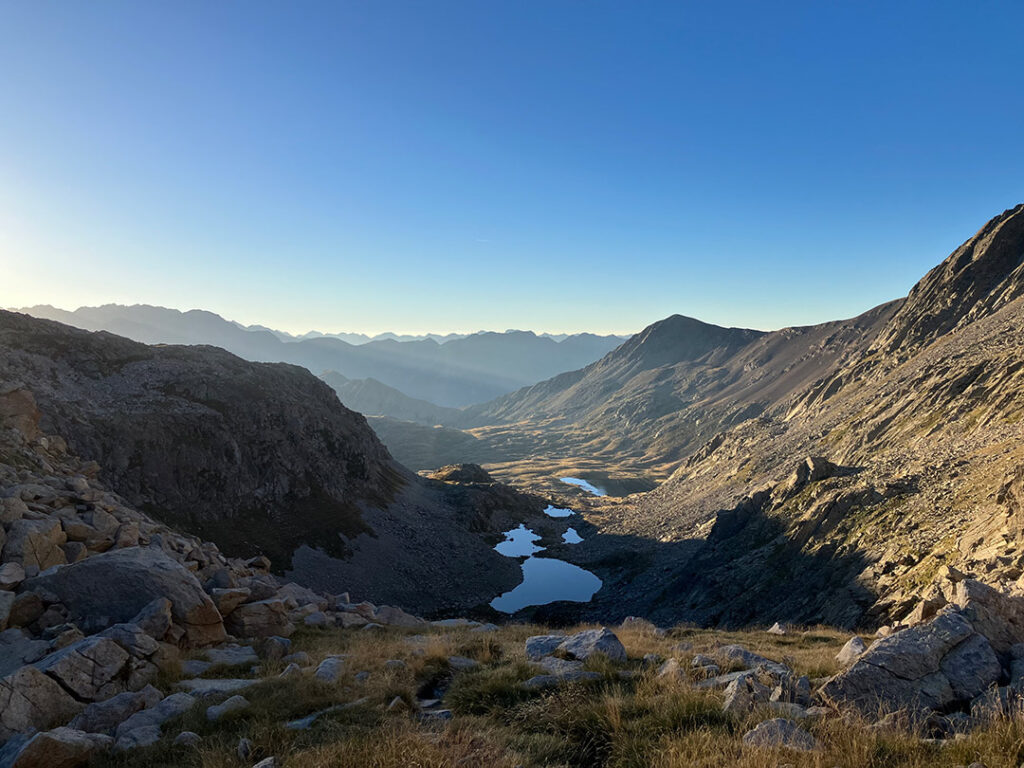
(977, 279)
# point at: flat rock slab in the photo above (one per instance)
(214, 686)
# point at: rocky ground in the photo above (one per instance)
(126, 643)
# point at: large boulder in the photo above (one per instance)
(593, 642)
(539, 646)
(93, 669)
(35, 544)
(31, 700)
(105, 716)
(59, 748)
(261, 619)
(115, 586)
(926, 667)
(779, 732)
(392, 616)
(997, 616)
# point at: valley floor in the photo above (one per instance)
(627, 715)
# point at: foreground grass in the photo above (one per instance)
(626, 719)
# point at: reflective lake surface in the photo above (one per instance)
(588, 487)
(545, 579)
(558, 512)
(571, 537)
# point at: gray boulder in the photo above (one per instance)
(115, 586)
(156, 715)
(93, 669)
(228, 707)
(105, 716)
(593, 642)
(59, 748)
(743, 694)
(779, 732)
(262, 618)
(31, 700)
(330, 669)
(926, 667)
(851, 651)
(539, 646)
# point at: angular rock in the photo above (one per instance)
(215, 686)
(851, 651)
(155, 618)
(145, 736)
(105, 716)
(35, 544)
(232, 655)
(561, 667)
(997, 616)
(115, 586)
(11, 575)
(539, 646)
(753, 660)
(260, 619)
(593, 642)
(391, 616)
(330, 669)
(228, 707)
(671, 670)
(31, 700)
(743, 694)
(228, 599)
(91, 668)
(156, 715)
(904, 671)
(971, 667)
(779, 732)
(17, 648)
(59, 748)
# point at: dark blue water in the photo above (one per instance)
(545, 579)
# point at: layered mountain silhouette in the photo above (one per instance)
(456, 373)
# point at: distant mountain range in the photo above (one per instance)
(445, 371)
(362, 338)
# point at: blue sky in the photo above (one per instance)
(552, 165)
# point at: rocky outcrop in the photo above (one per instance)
(946, 662)
(115, 586)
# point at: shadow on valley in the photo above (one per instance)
(753, 569)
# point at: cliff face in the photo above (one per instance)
(259, 458)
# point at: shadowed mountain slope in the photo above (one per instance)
(260, 458)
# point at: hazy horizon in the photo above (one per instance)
(423, 168)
